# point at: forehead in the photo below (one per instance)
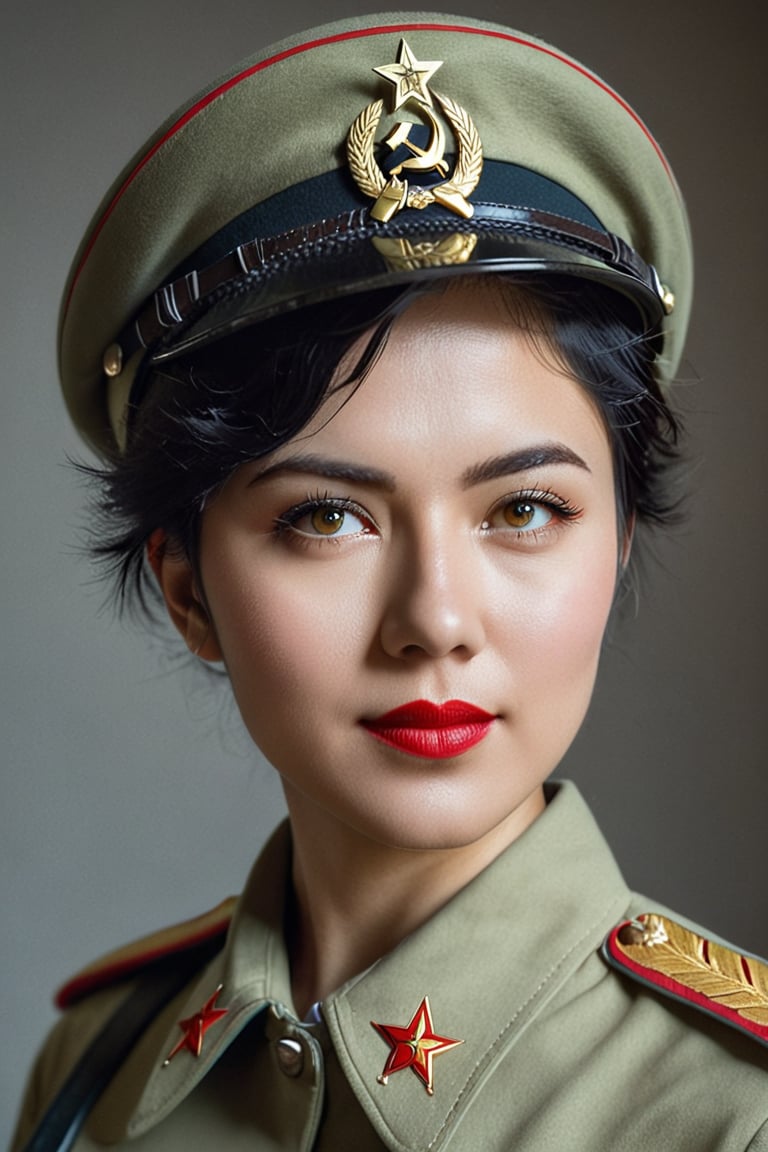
(475, 362)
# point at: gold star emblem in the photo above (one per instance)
(195, 1027)
(414, 1046)
(409, 76)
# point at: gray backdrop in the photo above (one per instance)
(130, 797)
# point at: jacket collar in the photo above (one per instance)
(489, 962)
(252, 972)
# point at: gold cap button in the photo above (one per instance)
(112, 361)
(667, 299)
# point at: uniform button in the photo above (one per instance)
(290, 1056)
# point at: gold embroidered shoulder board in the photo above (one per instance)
(658, 952)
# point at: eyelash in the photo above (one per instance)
(562, 510)
(286, 524)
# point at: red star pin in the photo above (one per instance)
(195, 1027)
(414, 1046)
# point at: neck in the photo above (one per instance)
(356, 899)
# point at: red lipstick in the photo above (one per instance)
(435, 731)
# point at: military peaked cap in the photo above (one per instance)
(365, 153)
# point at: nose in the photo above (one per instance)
(434, 605)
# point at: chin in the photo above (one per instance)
(449, 822)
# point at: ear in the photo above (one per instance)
(182, 598)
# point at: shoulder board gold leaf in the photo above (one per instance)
(658, 952)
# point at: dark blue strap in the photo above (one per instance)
(68, 1111)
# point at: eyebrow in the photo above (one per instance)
(520, 460)
(315, 465)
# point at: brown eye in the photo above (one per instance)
(524, 514)
(519, 513)
(327, 521)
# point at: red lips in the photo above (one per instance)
(435, 731)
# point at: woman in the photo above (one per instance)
(384, 423)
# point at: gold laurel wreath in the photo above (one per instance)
(469, 160)
(366, 172)
(371, 180)
(728, 978)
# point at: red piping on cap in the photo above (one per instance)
(352, 35)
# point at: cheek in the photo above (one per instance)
(287, 643)
(554, 634)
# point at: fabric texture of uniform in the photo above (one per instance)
(558, 1050)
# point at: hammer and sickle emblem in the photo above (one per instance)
(428, 159)
(410, 77)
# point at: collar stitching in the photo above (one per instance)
(547, 979)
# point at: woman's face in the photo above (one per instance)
(448, 533)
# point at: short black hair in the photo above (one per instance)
(193, 422)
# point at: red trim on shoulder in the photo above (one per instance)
(616, 955)
(357, 34)
(126, 961)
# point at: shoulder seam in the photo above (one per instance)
(148, 950)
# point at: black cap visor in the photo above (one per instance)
(353, 254)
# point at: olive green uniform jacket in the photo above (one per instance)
(559, 1051)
